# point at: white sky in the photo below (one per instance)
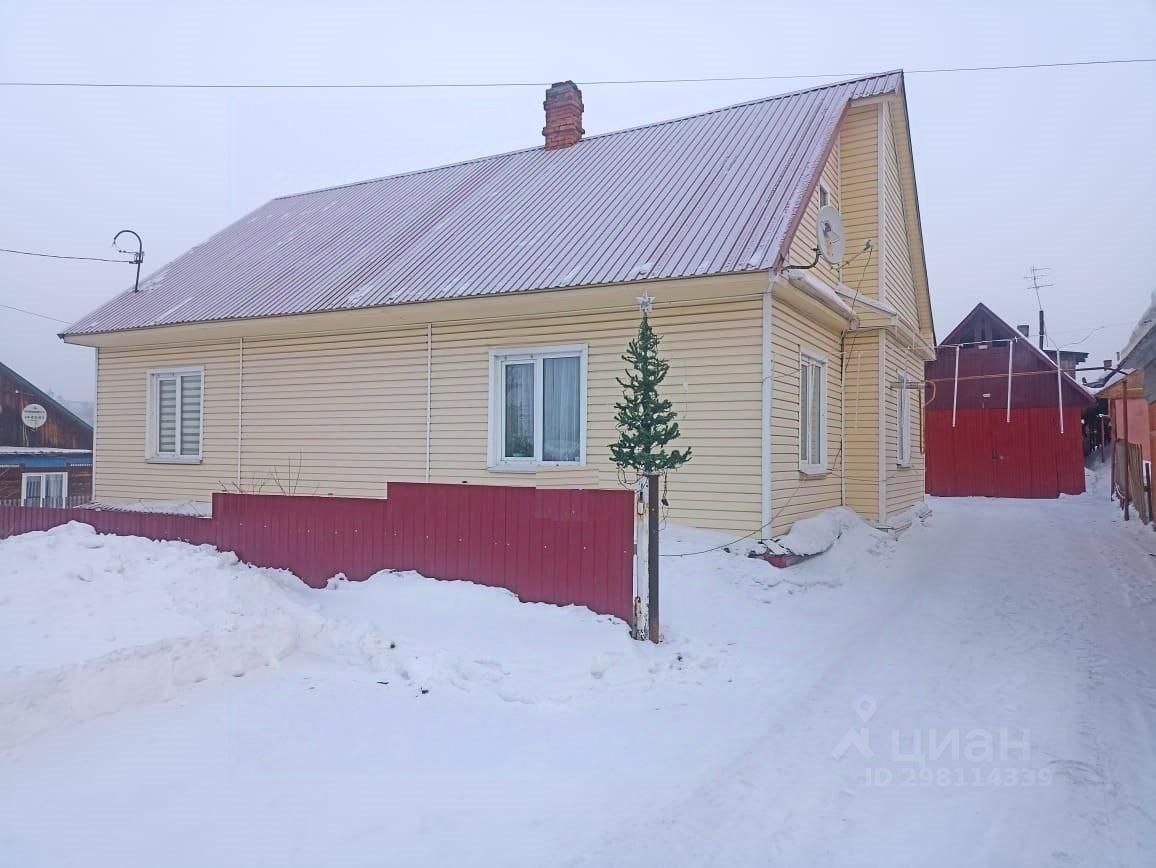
(1051, 167)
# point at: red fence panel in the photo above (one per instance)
(563, 546)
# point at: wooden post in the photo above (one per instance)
(652, 556)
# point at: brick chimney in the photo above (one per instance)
(1108, 365)
(563, 107)
(1025, 330)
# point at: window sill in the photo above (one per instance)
(811, 471)
(162, 459)
(535, 467)
(903, 465)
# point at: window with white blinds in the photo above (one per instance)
(812, 414)
(175, 408)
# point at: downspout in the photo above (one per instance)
(240, 403)
(843, 418)
(428, 394)
(1127, 493)
(767, 396)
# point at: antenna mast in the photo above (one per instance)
(1035, 275)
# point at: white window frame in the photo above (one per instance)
(43, 485)
(812, 357)
(495, 460)
(152, 450)
(824, 195)
(903, 424)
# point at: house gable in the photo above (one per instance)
(62, 430)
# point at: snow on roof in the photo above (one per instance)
(713, 193)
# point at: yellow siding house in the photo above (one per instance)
(465, 324)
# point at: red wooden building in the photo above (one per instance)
(1001, 421)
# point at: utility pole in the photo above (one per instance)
(1034, 275)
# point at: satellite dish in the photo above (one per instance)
(830, 237)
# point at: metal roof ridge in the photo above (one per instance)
(609, 133)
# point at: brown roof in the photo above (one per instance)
(712, 193)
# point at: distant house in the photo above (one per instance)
(1131, 396)
(465, 324)
(45, 448)
(1001, 420)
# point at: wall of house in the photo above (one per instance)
(794, 494)
(905, 484)
(121, 472)
(862, 418)
(802, 246)
(897, 275)
(344, 413)
(859, 205)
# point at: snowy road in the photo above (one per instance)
(981, 692)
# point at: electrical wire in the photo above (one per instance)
(61, 256)
(1007, 67)
(34, 313)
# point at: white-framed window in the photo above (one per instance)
(824, 196)
(44, 489)
(904, 422)
(812, 412)
(175, 415)
(538, 407)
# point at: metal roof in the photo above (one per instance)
(712, 193)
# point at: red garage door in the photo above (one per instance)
(985, 455)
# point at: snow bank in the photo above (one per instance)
(90, 624)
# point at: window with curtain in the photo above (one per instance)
(175, 414)
(44, 489)
(539, 406)
(812, 414)
(904, 421)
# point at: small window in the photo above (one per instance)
(176, 400)
(538, 407)
(904, 457)
(812, 414)
(824, 196)
(44, 489)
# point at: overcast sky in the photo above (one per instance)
(1045, 167)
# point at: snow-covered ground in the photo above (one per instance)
(979, 691)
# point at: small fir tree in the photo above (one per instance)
(646, 422)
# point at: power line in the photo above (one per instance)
(62, 256)
(140, 85)
(34, 313)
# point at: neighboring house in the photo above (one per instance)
(466, 323)
(47, 462)
(1131, 396)
(1002, 421)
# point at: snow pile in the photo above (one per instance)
(810, 536)
(91, 624)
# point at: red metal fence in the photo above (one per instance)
(562, 546)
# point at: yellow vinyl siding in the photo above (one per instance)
(334, 414)
(905, 485)
(344, 414)
(861, 409)
(715, 372)
(121, 426)
(897, 258)
(802, 247)
(795, 495)
(859, 203)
